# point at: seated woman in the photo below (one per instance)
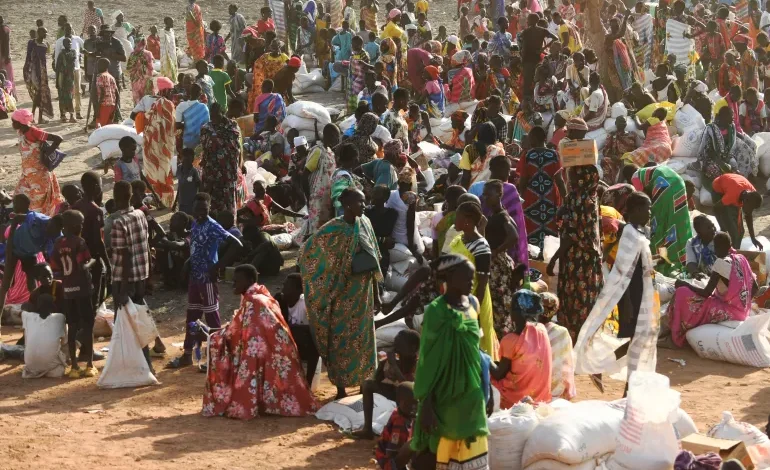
(524, 369)
(726, 150)
(618, 144)
(545, 89)
(727, 296)
(700, 248)
(663, 87)
(657, 142)
(255, 366)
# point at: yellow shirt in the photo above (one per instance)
(721, 103)
(321, 24)
(572, 44)
(312, 160)
(392, 31)
(421, 6)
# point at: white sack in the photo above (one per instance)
(734, 430)
(292, 121)
(688, 118)
(747, 344)
(600, 136)
(688, 144)
(310, 110)
(126, 366)
(748, 245)
(679, 164)
(348, 413)
(113, 132)
(508, 432)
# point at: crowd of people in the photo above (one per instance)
(498, 98)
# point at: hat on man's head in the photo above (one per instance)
(300, 141)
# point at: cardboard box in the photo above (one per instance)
(578, 152)
(757, 261)
(699, 444)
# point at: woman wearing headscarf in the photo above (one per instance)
(157, 115)
(462, 85)
(255, 366)
(266, 66)
(343, 177)
(721, 144)
(140, 70)
(525, 119)
(369, 15)
(451, 375)
(196, 35)
(340, 268)
(526, 360)
(388, 59)
(580, 252)
(362, 137)
(434, 92)
(476, 156)
(670, 223)
(37, 182)
(221, 162)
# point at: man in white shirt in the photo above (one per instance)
(77, 46)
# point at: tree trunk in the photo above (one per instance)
(594, 39)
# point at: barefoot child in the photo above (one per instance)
(396, 367)
(73, 260)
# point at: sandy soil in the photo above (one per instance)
(63, 424)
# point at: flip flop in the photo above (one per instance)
(596, 379)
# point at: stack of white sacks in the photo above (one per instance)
(107, 138)
(301, 115)
(306, 82)
(592, 434)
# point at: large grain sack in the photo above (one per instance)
(309, 110)
(688, 118)
(734, 430)
(43, 356)
(303, 82)
(706, 199)
(348, 412)
(679, 164)
(508, 432)
(618, 109)
(293, 121)
(747, 344)
(688, 144)
(748, 245)
(600, 136)
(573, 435)
(610, 127)
(11, 315)
(665, 287)
(113, 132)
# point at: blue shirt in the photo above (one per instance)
(29, 238)
(204, 243)
(373, 49)
(477, 188)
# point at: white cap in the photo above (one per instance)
(300, 141)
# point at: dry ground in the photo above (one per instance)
(66, 424)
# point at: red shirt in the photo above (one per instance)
(730, 186)
(69, 255)
(153, 45)
(265, 26)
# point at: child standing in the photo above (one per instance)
(396, 433)
(396, 367)
(65, 80)
(168, 60)
(189, 181)
(153, 42)
(304, 46)
(73, 260)
(222, 82)
(127, 167)
(215, 43)
(107, 93)
(205, 264)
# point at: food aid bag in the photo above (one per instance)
(733, 430)
(126, 365)
(646, 440)
(43, 356)
(574, 434)
(508, 432)
(348, 412)
(748, 344)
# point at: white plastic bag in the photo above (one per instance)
(618, 109)
(665, 286)
(43, 356)
(646, 440)
(282, 241)
(104, 322)
(706, 199)
(309, 110)
(574, 434)
(734, 430)
(748, 344)
(348, 413)
(126, 365)
(508, 432)
(347, 123)
(141, 321)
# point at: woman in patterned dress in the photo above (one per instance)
(36, 76)
(159, 143)
(140, 70)
(221, 162)
(542, 186)
(196, 36)
(340, 292)
(255, 366)
(36, 182)
(580, 252)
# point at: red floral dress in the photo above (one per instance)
(254, 365)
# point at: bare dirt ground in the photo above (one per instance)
(63, 424)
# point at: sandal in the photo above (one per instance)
(179, 362)
(90, 372)
(75, 373)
